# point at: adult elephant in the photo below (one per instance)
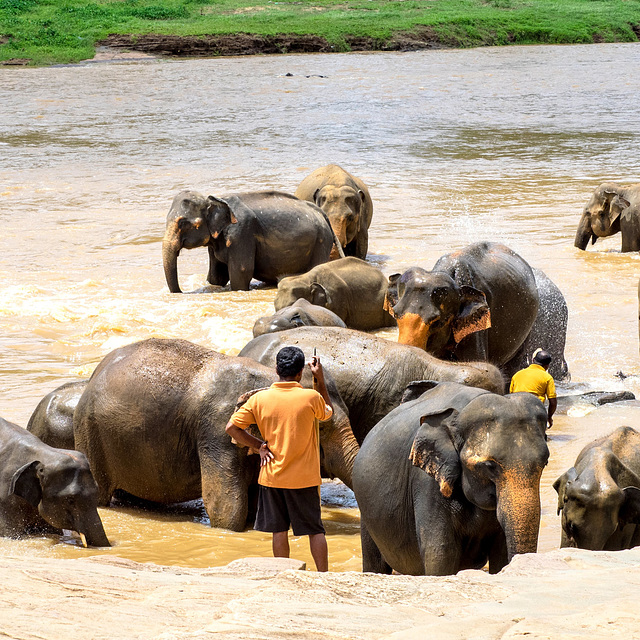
(478, 303)
(346, 201)
(351, 288)
(299, 314)
(152, 423)
(451, 480)
(599, 497)
(52, 419)
(610, 209)
(262, 234)
(43, 489)
(371, 374)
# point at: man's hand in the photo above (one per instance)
(265, 454)
(316, 368)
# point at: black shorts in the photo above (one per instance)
(279, 508)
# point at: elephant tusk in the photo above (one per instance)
(83, 539)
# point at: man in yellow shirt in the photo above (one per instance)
(289, 480)
(535, 379)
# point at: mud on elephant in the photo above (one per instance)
(599, 497)
(43, 489)
(451, 480)
(152, 423)
(263, 235)
(347, 203)
(612, 208)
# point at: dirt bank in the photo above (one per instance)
(564, 594)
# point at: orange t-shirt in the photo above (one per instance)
(285, 414)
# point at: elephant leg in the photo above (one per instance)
(218, 271)
(362, 244)
(241, 269)
(97, 461)
(225, 492)
(440, 551)
(372, 560)
(630, 236)
(498, 554)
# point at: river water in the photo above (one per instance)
(502, 144)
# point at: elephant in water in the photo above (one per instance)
(451, 480)
(263, 235)
(152, 423)
(610, 209)
(346, 201)
(372, 374)
(45, 489)
(299, 314)
(352, 288)
(599, 497)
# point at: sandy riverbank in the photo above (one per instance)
(564, 594)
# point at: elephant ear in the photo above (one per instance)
(560, 484)
(433, 450)
(618, 205)
(630, 510)
(25, 483)
(391, 297)
(222, 211)
(319, 295)
(474, 313)
(416, 388)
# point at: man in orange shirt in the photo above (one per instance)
(289, 480)
(535, 379)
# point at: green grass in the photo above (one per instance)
(59, 31)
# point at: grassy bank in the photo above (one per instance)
(58, 31)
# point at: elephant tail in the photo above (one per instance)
(336, 242)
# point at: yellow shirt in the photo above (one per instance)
(536, 380)
(285, 414)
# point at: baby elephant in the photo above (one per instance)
(45, 489)
(600, 495)
(299, 314)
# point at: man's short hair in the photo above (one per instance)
(543, 358)
(289, 362)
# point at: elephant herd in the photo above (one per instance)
(445, 468)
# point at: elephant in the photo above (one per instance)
(152, 424)
(44, 489)
(450, 480)
(549, 331)
(352, 288)
(262, 234)
(52, 420)
(599, 497)
(347, 203)
(371, 373)
(610, 209)
(299, 314)
(478, 303)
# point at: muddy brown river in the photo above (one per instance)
(502, 144)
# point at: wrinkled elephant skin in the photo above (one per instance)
(299, 314)
(451, 480)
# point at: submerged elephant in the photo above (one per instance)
(263, 235)
(152, 423)
(599, 497)
(351, 288)
(610, 209)
(52, 420)
(451, 480)
(299, 314)
(371, 374)
(478, 303)
(347, 203)
(43, 489)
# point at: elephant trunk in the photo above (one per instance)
(339, 449)
(93, 530)
(170, 252)
(584, 233)
(518, 512)
(412, 330)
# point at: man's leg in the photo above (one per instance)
(280, 544)
(319, 551)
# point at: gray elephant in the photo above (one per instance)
(263, 235)
(610, 209)
(451, 480)
(43, 489)
(346, 201)
(299, 314)
(549, 330)
(372, 374)
(52, 420)
(599, 497)
(351, 288)
(152, 423)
